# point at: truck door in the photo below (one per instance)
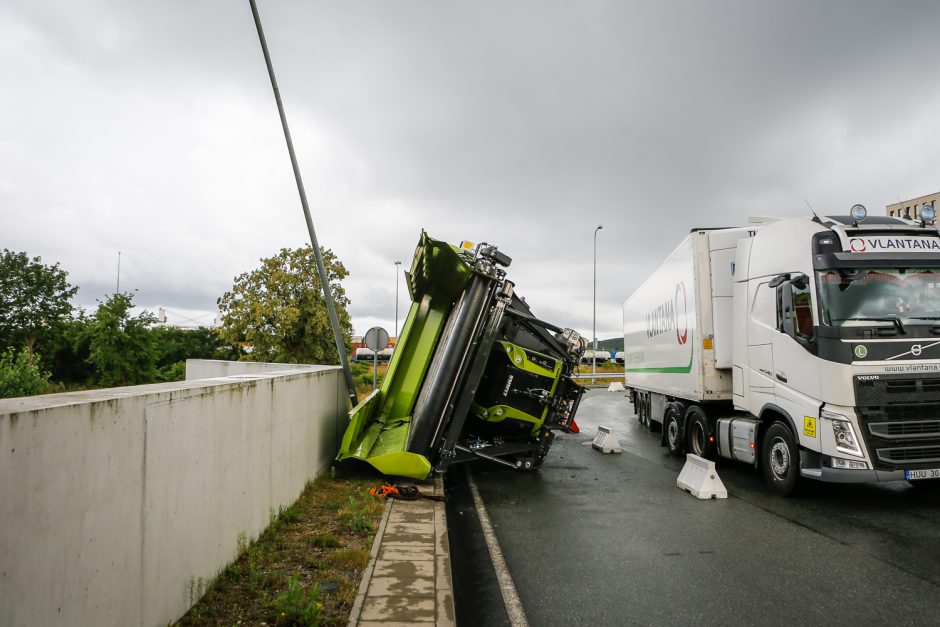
(795, 365)
(761, 327)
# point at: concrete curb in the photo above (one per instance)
(408, 578)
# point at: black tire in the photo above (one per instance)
(698, 433)
(780, 459)
(672, 432)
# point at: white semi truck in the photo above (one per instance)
(807, 347)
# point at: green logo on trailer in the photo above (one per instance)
(860, 351)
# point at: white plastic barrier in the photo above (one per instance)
(605, 442)
(699, 478)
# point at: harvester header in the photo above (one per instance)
(474, 375)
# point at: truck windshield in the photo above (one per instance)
(879, 296)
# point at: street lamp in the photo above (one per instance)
(594, 324)
(397, 267)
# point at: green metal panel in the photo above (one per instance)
(499, 413)
(379, 425)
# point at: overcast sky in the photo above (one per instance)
(150, 128)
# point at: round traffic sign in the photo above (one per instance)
(376, 339)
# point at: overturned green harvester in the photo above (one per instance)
(474, 374)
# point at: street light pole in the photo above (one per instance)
(594, 324)
(314, 243)
(397, 267)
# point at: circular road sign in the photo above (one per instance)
(376, 339)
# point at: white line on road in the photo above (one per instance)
(506, 586)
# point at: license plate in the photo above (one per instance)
(927, 473)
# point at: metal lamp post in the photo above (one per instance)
(314, 243)
(594, 323)
(397, 267)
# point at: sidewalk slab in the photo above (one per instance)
(408, 579)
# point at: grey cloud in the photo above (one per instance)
(150, 128)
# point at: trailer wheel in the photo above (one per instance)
(780, 459)
(672, 431)
(697, 436)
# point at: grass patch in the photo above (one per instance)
(305, 568)
(362, 376)
(349, 559)
(327, 541)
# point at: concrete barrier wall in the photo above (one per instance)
(118, 506)
(212, 368)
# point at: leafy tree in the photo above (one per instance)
(21, 374)
(34, 297)
(277, 313)
(66, 352)
(175, 345)
(121, 347)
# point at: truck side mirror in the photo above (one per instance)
(778, 280)
(799, 281)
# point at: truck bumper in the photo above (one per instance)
(840, 475)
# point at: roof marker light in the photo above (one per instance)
(928, 213)
(858, 212)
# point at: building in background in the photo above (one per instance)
(911, 208)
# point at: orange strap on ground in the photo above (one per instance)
(384, 491)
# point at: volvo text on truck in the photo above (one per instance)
(807, 347)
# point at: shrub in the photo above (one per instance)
(21, 374)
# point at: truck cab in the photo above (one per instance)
(836, 348)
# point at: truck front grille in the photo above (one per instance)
(910, 455)
(899, 418)
(906, 429)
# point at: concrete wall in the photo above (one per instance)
(212, 368)
(117, 506)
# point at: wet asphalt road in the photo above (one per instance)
(609, 539)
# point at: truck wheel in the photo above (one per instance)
(780, 459)
(696, 428)
(673, 432)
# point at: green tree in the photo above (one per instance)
(277, 313)
(34, 298)
(175, 345)
(120, 346)
(21, 374)
(66, 352)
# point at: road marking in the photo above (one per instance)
(507, 588)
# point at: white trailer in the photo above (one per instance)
(794, 345)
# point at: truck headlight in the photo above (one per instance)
(842, 429)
